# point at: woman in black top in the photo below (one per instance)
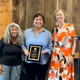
(10, 52)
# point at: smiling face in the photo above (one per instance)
(38, 21)
(14, 31)
(60, 17)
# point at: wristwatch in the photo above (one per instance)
(72, 55)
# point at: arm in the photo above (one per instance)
(24, 45)
(71, 33)
(70, 60)
(74, 46)
(49, 47)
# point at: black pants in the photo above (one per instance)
(33, 69)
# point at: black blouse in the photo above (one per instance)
(10, 54)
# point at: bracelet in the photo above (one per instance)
(72, 55)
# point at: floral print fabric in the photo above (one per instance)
(61, 53)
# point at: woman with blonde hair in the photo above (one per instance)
(62, 66)
(10, 52)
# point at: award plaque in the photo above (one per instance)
(34, 53)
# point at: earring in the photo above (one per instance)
(33, 23)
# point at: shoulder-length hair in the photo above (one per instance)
(7, 35)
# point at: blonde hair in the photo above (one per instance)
(7, 35)
(60, 10)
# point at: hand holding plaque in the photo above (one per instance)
(34, 52)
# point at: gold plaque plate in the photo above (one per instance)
(34, 53)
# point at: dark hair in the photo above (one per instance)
(38, 14)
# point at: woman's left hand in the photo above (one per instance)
(43, 52)
(70, 61)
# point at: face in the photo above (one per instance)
(14, 31)
(60, 16)
(38, 21)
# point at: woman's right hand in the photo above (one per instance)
(26, 52)
(1, 69)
